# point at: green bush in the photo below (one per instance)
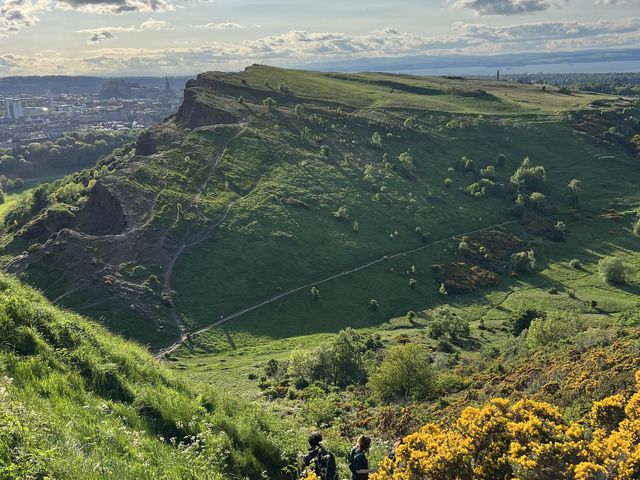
(552, 328)
(447, 323)
(613, 270)
(404, 374)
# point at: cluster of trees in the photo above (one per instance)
(525, 440)
(73, 149)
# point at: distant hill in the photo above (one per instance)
(57, 84)
(269, 182)
(532, 62)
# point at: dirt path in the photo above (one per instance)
(183, 337)
(185, 242)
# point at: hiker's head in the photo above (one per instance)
(315, 438)
(363, 443)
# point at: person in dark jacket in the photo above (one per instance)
(358, 463)
(320, 460)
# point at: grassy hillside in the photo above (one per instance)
(269, 181)
(77, 402)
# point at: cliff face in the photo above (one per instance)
(202, 107)
(102, 214)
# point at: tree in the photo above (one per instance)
(501, 160)
(298, 110)
(406, 160)
(270, 103)
(412, 283)
(448, 323)
(342, 213)
(538, 201)
(613, 270)
(523, 261)
(488, 172)
(636, 228)
(552, 328)
(374, 305)
(527, 178)
(523, 317)
(559, 231)
(404, 374)
(376, 140)
(315, 293)
(574, 192)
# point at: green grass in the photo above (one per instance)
(80, 403)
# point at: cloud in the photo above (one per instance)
(612, 2)
(104, 33)
(99, 36)
(115, 6)
(298, 46)
(504, 7)
(222, 26)
(544, 31)
(16, 15)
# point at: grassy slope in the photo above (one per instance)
(80, 403)
(265, 247)
(247, 245)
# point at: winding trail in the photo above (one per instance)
(184, 336)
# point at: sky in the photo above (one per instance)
(183, 37)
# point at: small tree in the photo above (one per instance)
(298, 110)
(374, 305)
(613, 270)
(412, 283)
(448, 323)
(554, 327)
(356, 226)
(376, 140)
(501, 160)
(404, 374)
(342, 213)
(406, 160)
(270, 103)
(574, 192)
(636, 228)
(315, 293)
(559, 231)
(523, 261)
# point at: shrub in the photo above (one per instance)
(552, 328)
(501, 160)
(488, 172)
(315, 293)
(376, 140)
(559, 231)
(523, 317)
(575, 263)
(538, 201)
(404, 374)
(374, 305)
(412, 283)
(613, 270)
(527, 178)
(406, 161)
(523, 261)
(448, 182)
(448, 323)
(524, 439)
(342, 213)
(270, 103)
(636, 228)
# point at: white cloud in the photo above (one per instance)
(16, 15)
(223, 26)
(104, 33)
(115, 6)
(504, 7)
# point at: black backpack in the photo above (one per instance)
(324, 464)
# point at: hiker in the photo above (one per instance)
(392, 452)
(358, 463)
(319, 459)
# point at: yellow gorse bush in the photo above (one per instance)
(525, 440)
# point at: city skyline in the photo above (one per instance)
(175, 37)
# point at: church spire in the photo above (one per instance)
(167, 87)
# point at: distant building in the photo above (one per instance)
(498, 76)
(13, 109)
